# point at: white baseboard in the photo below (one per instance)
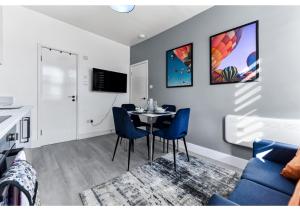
(95, 133)
(36, 144)
(203, 151)
(215, 155)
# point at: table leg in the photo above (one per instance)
(151, 139)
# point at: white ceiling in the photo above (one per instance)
(122, 27)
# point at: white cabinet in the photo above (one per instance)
(1, 35)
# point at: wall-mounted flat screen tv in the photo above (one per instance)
(109, 81)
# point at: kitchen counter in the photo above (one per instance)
(15, 116)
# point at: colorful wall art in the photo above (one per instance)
(180, 66)
(234, 55)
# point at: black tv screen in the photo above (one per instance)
(109, 81)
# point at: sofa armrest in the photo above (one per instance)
(217, 200)
(274, 151)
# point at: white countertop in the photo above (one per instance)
(15, 116)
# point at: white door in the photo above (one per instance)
(139, 84)
(1, 36)
(57, 96)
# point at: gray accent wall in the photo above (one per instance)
(275, 94)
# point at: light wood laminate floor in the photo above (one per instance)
(66, 169)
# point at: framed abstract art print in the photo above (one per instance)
(234, 55)
(179, 71)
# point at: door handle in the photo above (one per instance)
(27, 137)
(143, 98)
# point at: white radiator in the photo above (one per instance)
(243, 130)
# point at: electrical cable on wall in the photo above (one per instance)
(107, 113)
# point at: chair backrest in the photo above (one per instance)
(161, 119)
(171, 108)
(123, 124)
(131, 107)
(117, 119)
(180, 124)
(128, 107)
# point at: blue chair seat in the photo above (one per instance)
(164, 133)
(251, 193)
(160, 133)
(138, 133)
(161, 125)
(267, 173)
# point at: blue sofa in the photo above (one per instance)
(261, 182)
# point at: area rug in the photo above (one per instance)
(193, 183)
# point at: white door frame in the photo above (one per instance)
(39, 69)
(136, 64)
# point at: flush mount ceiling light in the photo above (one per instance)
(142, 36)
(122, 8)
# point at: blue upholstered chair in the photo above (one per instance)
(177, 130)
(164, 122)
(125, 129)
(135, 118)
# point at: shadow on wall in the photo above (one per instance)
(246, 97)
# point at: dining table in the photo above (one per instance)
(151, 116)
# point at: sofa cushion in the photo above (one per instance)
(292, 169)
(217, 200)
(267, 173)
(251, 193)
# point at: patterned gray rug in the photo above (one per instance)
(157, 184)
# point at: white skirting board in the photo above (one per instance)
(215, 155)
(80, 136)
(96, 133)
(199, 150)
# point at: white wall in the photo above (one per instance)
(276, 92)
(23, 30)
(1, 34)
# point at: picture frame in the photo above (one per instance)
(239, 62)
(179, 66)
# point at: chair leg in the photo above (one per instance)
(174, 154)
(186, 151)
(132, 145)
(121, 141)
(167, 146)
(125, 145)
(148, 147)
(153, 147)
(129, 151)
(163, 145)
(116, 148)
(177, 145)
